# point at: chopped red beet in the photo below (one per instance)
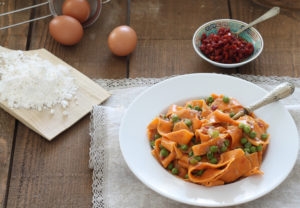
(224, 47)
(260, 124)
(214, 107)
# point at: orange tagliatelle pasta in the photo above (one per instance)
(201, 143)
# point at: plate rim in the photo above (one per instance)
(188, 202)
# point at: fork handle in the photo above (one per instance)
(281, 91)
(271, 13)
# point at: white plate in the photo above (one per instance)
(278, 160)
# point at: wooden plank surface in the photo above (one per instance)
(165, 30)
(56, 174)
(16, 39)
(91, 56)
(281, 53)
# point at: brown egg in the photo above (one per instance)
(122, 40)
(79, 9)
(66, 30)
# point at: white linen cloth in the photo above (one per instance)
(115, 186)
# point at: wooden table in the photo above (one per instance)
(38, 173)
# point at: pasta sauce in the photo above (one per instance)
(201, 143)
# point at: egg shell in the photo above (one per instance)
(122, 40)
(79, 9)
(66, 30)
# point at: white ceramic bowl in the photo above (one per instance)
(250, 35)
(277, 163)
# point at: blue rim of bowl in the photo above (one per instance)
(223, 64)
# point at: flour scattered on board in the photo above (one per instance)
(33, 83)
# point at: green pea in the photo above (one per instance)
(191, 153)
(259, 148)
(247, 129)
(253, 149)
(248, 145)
(223, 149)
(157, 136)
(175, 171)
(190, 106)
(214, 148)
(170, 166)
(174, 118)
(215, 134)
(210, 155)
(252, 134)
(198, 158)
(164, 152)
(188, 122)
(247, 150)
(213, 160)
(210, 99)
(163, 116)
(197, 108)
(186, 176)
(152, 143)
(241, 125)
(226, 143)
(193, 139)
(264, 136)
(200, 172)
(226, 99)
(160, 146)
(243, 140)
(231, 114)
(184, 147)
(193, 161)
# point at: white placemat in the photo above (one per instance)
(114, 186)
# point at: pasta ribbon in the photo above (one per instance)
(201, 143)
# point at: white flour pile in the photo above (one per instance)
(33, 83)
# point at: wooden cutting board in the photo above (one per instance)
(50, 125)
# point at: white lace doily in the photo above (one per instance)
(113, 183)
